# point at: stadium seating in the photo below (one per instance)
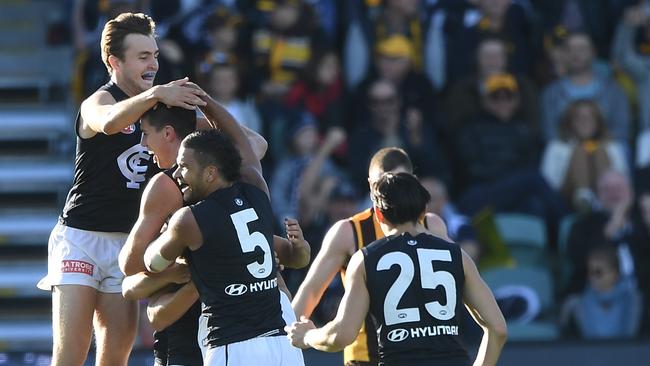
(527, 312)
(36, 160)
(525, 236)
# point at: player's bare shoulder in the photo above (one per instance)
(340, 238)
(92, 108)
(162, 195)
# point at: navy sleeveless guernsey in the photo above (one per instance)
(110, 172)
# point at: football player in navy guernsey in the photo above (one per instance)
(175, 314)
(228, 229)
(413, 284)
(102, 205)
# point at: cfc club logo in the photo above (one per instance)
(129, 129)
(397, 335)
(412, 242)
(130, 162)
(238, 201)
(236, 289)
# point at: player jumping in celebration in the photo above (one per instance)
(412, 284)
(342, 240)
(228, 230)
(102, 205)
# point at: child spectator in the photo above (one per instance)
(610, 306)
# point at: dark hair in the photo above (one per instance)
(182, 120)
(400, 197)
(390, 158)
(565, 129)
(116, 30)
(214, 148)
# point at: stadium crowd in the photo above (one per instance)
(540, 107)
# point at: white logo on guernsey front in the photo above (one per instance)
(400, 334)
(129, 164)
(412, 242)
(238, 201)
(397, 335)
(238, 289)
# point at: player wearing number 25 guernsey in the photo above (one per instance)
(228, 229)
(413, 284)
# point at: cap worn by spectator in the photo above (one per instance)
(222, 17)
(555, 37)
(395, 46)
(500, 83)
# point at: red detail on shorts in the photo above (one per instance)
(129, 129)
(68, 266)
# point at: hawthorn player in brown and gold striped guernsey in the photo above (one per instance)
(342, 240)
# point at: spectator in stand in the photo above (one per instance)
(395, 62)
(497, 18)
(220, 43)
(495, 159)
(385, 126)
(552, 62)
(598, 19)
(282, 48)
(609, 307)
(583, 151)
(640, 241)
(464, 101)
(303, 181)
(223, 82)
(631, 50)
(320, 90)
(610, 224)
(377, 22)
(495, 143)
(583, 82)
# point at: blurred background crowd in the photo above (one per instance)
(527, 120)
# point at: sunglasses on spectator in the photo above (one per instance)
(597, 272)
(502, 95)
(383, 100)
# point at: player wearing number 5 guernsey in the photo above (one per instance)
(228, 228)
(413, 285)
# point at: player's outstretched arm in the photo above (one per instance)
(251, 167)
(341, 331)
(481, 304)
(182, 232)
(101, 114)
(166, 308)
(333, 255)
(257, 141)
(160, 199)
(294, 251)
(144, 284)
